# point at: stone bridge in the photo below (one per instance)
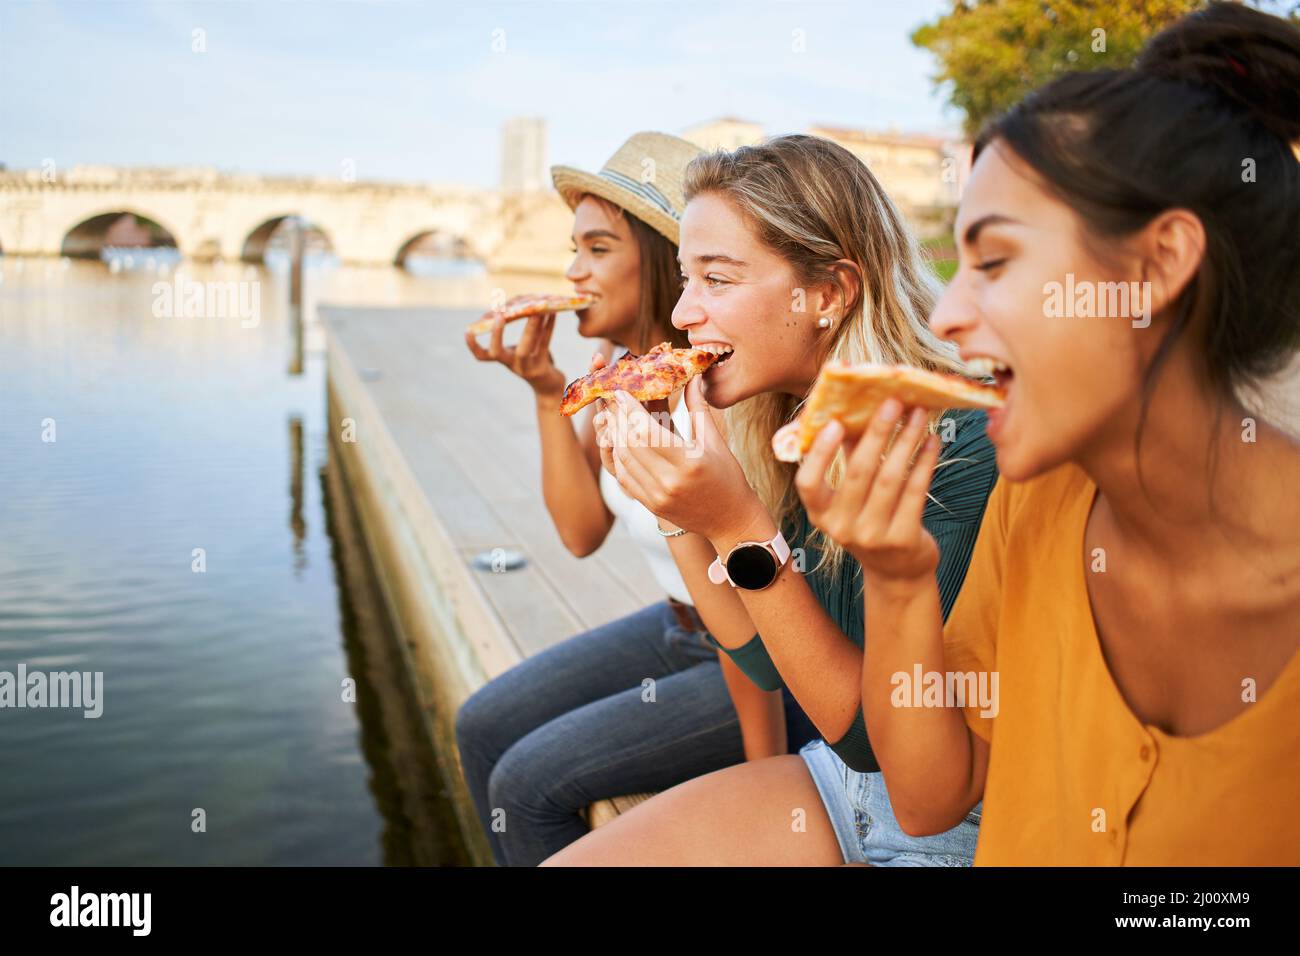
(209, 215)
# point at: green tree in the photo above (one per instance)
(993, 52)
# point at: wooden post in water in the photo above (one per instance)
(297, 468)
(297, 242)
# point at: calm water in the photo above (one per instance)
(223, 690)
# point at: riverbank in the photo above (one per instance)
(442, 461)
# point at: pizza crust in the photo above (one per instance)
(853, 393)
(523, 306)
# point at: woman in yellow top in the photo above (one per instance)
(1133, 600)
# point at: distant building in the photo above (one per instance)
(922, 174)
(725, 133)
(523, 155)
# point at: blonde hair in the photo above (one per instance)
(814, 203)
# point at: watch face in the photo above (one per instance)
(752, 567)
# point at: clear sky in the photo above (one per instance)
(418, 91)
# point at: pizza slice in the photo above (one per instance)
(852, 393)
(522, 306)
(647, 378)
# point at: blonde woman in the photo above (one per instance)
(570, 726)
(792, 254)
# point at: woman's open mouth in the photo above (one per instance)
(982, 366)
(723, 351)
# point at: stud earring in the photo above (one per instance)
(824, 322)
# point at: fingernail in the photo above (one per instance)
(890, 409)
(917, 417)
(831, 433)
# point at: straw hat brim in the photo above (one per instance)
(574, 183)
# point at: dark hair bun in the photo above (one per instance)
(1250, 57)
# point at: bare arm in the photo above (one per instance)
(570, 459)
(570, 476)
(934, 762)
(761, 713)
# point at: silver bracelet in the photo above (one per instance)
(669, 534)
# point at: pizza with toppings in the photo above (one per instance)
(522, 306)
(852, 393)
(647, 378)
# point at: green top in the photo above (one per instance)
(958, 493)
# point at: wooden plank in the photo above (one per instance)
(469, 434)
(401, 515)
(602, 811)
(449, 464)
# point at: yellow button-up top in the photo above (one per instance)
(1074, 777)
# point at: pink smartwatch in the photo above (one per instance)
(752, 565)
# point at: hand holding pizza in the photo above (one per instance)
(530, 358)
(698, 486)
(875, 514)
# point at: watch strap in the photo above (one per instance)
(717, 573)
(782, 549)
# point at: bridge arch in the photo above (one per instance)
(89, 234)
(253, 248)
(434, 243)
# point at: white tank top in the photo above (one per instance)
(643, 525)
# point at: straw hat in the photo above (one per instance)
(644, 177)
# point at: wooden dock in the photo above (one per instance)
(444, 464)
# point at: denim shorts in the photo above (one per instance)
(863, 819)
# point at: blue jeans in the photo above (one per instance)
(575, 724)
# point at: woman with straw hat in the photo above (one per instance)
(570, 726)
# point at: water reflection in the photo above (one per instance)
(222, 685)
(407, 780)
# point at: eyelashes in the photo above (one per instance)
(711, 281)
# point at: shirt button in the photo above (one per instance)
(1145, 752)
